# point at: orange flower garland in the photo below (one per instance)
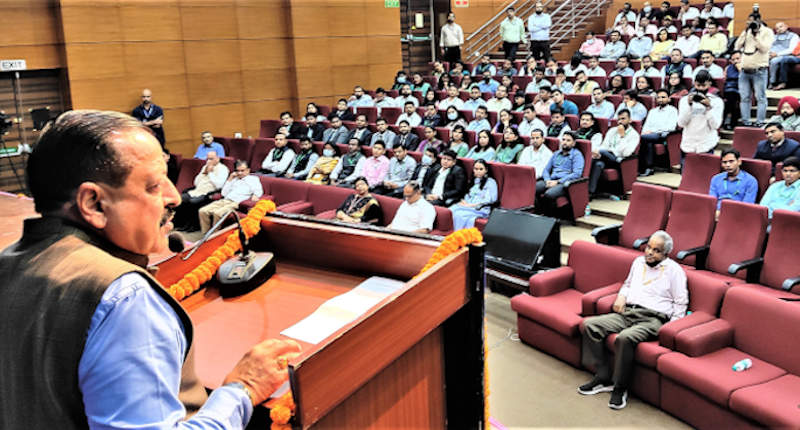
(282, 412)
(201, 274)
(452, 243)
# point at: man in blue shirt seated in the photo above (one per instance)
(776, 147)
(567, 107)
(208, 145)
(564, 166)
(487, 84)
(734, 183)
(785, 194)
(480, 122)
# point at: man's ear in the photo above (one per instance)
(89, 202)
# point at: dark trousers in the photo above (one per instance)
(546, 197)
(391, 192)
(635, 324)
(186, 213)
(732, 100)
(510, 50)
(452, 54)
(647, 146)
(607, 158)
(540, 49)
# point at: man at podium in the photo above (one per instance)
(88, 338)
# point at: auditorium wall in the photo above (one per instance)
(220, 65)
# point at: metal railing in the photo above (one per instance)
(568, 16)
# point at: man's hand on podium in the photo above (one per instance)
(263, 369)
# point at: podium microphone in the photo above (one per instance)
(245, 272)
(176, 243)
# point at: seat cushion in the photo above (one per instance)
(780, 294)
(773, 403)
(711, 374)
(647, 353)
(559, 311)
(480, 223)
(248, 204)
(331, 214)
(298, 207)
(719, 277)
(611, 175)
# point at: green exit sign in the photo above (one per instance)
(391, 3)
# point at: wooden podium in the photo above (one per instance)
(414, 360)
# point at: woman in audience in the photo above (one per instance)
(519, 101)
(642, 86)
(360, 207)
(320, 173)
(675, 85)
(504, 121)
(662, 46)
(483, 149)
(616, 85)
(430, 97)
(454, 118)
(479, 200)
(511, 87)
(510, 147)
(430, 140)
(438, 70)
(589, 129)
(730, 91)
(458, 141)
(443, 82)
(313, 109)
(400, 79)
(466, 83)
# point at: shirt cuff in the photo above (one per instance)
(229, 405)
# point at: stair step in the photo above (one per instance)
(570, 234)
(671, 180)
(614, 209)
(593, 221)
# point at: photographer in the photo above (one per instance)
(700, 115)
(755, 43)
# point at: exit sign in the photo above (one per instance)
(462, 3)
(12, 65)
(391, 3)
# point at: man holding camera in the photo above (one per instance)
(755, 43)
(700, 115)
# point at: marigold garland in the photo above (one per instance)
(204, 271)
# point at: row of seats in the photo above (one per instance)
(745, 139)
(608, 65)
(686, 371)
(700, 168)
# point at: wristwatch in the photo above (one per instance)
(239, 385)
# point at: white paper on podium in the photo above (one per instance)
(342, 309)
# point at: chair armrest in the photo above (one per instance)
(753, 267)
(608, 234)
(701, 253)
(789, 283)
(575, 181)
(551, 281)
(668, 331)
(589, 300)
(704, 338)
(640, 241)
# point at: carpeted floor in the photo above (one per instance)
(532, 389)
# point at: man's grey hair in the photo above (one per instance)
(664, 236)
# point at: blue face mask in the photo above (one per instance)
(452, 116)
(401, 79)
(426, 160)
(328, 152)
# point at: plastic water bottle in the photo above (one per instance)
(614, 197)
(587, 211)
(742, 365)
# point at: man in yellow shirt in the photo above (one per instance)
(713, 40)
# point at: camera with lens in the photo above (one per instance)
(698, 98)
(5, 123)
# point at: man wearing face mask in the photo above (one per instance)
(451, 38)
(661, 121)
(653, 294)
(700, 115)
(406, 138)
(452, 99)
(539, 27)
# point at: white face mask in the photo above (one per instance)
(647, 9)
(452, 116)
(426, 160)
(590, 41)
(328, 152)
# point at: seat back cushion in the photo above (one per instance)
(389, 206)
(781, 259)
(697, 172)
(190, 167)
(739, 235)
(597, 265)
(288, 190)
(691, 221)
(647, 212)
(325, 197)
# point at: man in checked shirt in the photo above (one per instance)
(653, 294)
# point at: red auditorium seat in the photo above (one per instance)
(522, 81)
(224, 141)
(697, 382)
(647, 213)
(261, 148)
(468, 115)
(549, 315)
(573, 121)
(326, 199)
(578, 190)
(697, 172)
(739, 236)
(615, 99)
(391, 114)
(761, 170)
(241, 149)
(248, 204)
(777, 273)
(619, 180)
(189, 168)
(672, 150)
(370, 111)
(745, 140)
(269, 127)
(691, 222)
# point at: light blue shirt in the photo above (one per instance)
(490, 87)
(661, 120)
(566, 87)
(781, 196)
(742, 188)
(364, 101)
(564, 168)
(202, 150)
(130, 370)
(485, 196)
(640, 46)
(613, 50)
(603, 110)
(567, 107)
(638, 111)
(539, 26)
(478, 125)
(477, 154)
(624, 72)
(472, 105)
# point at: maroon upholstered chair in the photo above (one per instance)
(389, 206)
(672, 150)
(261, 148)
(691, 222)
(224, 141)
(326, 199)
(288, 191)
(582, 100)
(697, 172)
(241, 149)
(391, 114)
(761, 170)
(578, 190)
(443, 224)
(269, 127)
(190, 167)
(647, 213)
(778, 273)
(745, 140)
(370, 111)
(517, 187)
(549, 316)
(698, 385)
(738, 237)
(619, 180)
(248, 204)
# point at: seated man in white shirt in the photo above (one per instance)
(240, 186)
(687, 42)
(661, 121)
(381, 100)
(707, 64)
(279, 158)
(415, 214)
(409, 115)
(653, 294)
(475, 100)
(537, 154)
(530, 122)
(619, 143)
(594, 70)
(452, 99)
(210, 179)
(359, 98)
(500, 100)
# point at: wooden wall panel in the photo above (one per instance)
(262, 54)
(268, 84)
(314, 82)
(224, 118)
(259, 21)
(96, 23)
(28, 26)
(382, 21)
(209, 22)
(346, 21)
(309, 21)
(150, 23)
(312, 52)
(96, 60)
(348, 51)
(104, 94)
(153, 58)
(255, 111)
(212, 56)
(383, 50)
(346, 77)
(169, 91)
(36, 56)
(178, 131)
(214, 88)
(382, 75)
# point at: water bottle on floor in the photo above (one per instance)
(742, 365)
(587, 211)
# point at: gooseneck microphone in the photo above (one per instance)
(176, 242)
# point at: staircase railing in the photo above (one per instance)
(568, 16)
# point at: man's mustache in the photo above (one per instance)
(168, 213)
